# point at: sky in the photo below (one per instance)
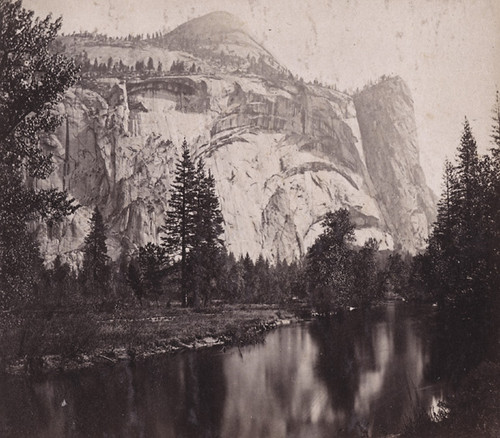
(447, 51)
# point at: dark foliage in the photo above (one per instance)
(339, 276)
(193, 229)
(461, 264)
(32, 80)
(461, 269)
(180, 223)
(147, 271)
(95, 272)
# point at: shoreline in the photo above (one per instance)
(230, 328)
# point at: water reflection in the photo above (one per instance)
(374, 378)
(363, 374)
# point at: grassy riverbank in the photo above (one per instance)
(35, 342)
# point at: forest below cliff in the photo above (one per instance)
(65, 308)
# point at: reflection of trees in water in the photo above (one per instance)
(20, 414)
(372, 364)
(337, 364)
(461, 339)
(182, 397)
(345, 351)
(66, 406)
(365, 370)
(204, 397)
(401, 392)
(271, 389)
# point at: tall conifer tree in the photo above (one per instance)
(444, 244)
(206, 256)
(468, 175)
(495, 134)
(470, 208)
(152, 261)
(462, 245)
(95, 256)
(493, 203)
(179, 227)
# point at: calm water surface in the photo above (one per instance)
(363, 374)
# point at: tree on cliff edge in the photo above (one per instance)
(32, 81)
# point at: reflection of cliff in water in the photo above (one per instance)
(373, 367)
(182, 396)
(363, 373)
(272, 390)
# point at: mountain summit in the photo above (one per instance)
(213, 25)
(283, 152)
(222, 37)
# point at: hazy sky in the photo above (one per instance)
(448, 51)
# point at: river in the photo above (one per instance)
(364, 374)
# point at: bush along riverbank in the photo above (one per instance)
(40, 342)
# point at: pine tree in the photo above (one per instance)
(494, 175)
(444, 244)
(179, 227)
(151, 65)
(468, 174)
(495, 135)
(261, 275)
(248, 277)
(463, 239)
(209, 218)
(193, 229)
(139, 66)
(234, 288)
(152, 261)
(448, 215)
(206, 257)
(491, 167)
(470, 210)
(95, 272)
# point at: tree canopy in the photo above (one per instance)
(463, 256)
(32, 81)
(329, 262)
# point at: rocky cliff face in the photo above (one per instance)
(283, 153)
(387, 126)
